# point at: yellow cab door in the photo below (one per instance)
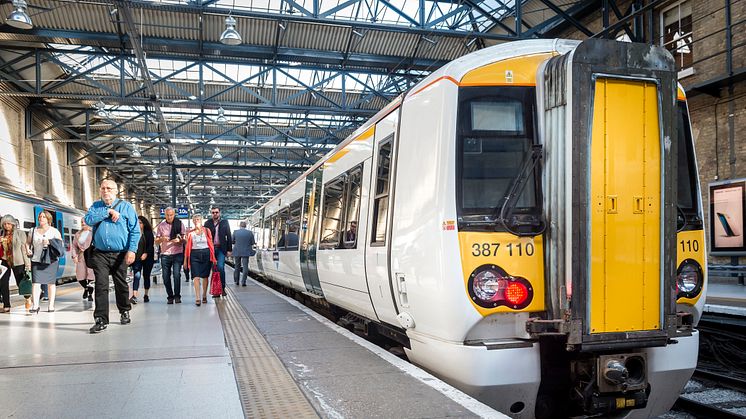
(625, 201)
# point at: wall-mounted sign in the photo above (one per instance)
(181, 212)
(727, 220)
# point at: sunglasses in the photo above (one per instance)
(216, 212)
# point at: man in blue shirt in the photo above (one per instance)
(116, 234)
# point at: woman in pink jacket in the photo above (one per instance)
(84, 274)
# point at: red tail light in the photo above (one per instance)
(491, 286)
(516, 293)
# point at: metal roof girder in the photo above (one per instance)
(238, 84)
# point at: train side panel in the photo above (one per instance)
(342, 270)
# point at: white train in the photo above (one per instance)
(526, 220)
(66, 219)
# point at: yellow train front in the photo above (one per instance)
(577, 221)
(526, 221)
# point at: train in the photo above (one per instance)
(526, 221)
(26, 210)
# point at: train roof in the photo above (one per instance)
(39, 201)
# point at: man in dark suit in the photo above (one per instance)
(243, 248)
(222, 240)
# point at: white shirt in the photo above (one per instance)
(38, 238)
(199, 241)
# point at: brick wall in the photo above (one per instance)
(709, 114)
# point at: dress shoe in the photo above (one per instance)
(243, 284)
(170, 301)
(177, 300)
(133, 300)
(146, 298)
(85, 293)
(99, 326)
(35, 310)
(224, 294)
(50, 310)
(204, 300)
(90, 296)
(125, 319)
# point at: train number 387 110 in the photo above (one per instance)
(492, 249)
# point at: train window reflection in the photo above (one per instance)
(497, 116)
(381, 200)
(495, 134)
(332, 221)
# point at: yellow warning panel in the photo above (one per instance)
(690, 245)
(625, 164)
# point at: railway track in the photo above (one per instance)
(718, 386)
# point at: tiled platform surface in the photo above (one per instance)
(172, 361)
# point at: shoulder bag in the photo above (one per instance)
(24, 284)
(216, 288)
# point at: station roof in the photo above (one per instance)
(155, 98)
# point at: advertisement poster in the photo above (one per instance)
(727, 217)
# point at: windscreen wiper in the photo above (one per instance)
(517, 187)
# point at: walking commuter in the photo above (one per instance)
(43, 273)
(115, 239)
(222, 241)
(199, 257)
(14, 256)
(85, 276)
(170, 235)
(243, 248)
(144, 260)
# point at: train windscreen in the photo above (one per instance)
(688, 201)
(495, 136)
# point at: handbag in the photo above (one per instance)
(88, 255)
(216, 289)
(24, 284)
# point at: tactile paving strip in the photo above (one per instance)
(266, 388)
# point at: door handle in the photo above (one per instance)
(611, 204)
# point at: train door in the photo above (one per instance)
(260, 246)
(625, 285)
(309, 232)
(377, 243)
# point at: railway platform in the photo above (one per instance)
(253, 354)
(725, 296)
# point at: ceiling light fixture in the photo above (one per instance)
(212, 201)
(18, 18)
(215, 175)
(221, 119)
(101, 111)
(281, 25)
(135, 152)
(213, 191)
(216, 155)
(154, 174)
(358, 33)
(230, 35)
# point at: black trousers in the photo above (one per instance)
(5, 285)
(105, 264)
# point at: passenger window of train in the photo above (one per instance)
(282, 228)
(354, 190)
(273, 232)
(265, 233)
(381, 199)
(293, 223)
(332, 214)
(28, 225)
(495, 138)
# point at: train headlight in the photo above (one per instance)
(689, 279)
(490, 286)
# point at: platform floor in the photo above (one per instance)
(726, 297)
(254, 354)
